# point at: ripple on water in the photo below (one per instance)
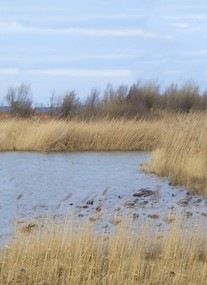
(43, 185)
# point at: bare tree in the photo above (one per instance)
(55, 104)
(19, 98)
(93, 99)
(109, 93)
(70, 105)
(121, 93)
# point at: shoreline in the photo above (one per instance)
(178, 142)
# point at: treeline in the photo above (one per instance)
(138, 100)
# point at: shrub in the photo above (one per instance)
(184, 99)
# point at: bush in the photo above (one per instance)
(114, 101)
(184, 99)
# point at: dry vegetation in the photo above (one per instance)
(59, 135)
(77, 255)
(182, 154)
(178, 141)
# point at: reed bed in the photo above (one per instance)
(182, 154)
(78, 255)
(56, 135)
(178, 142)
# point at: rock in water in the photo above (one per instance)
(183, 202)
(135, 216)
(129, 204)
(143, 193)
(90, 202)
(153, 216)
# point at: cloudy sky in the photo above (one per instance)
(77, 44)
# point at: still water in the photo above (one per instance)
(36, 185)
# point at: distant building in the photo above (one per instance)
(5, 112)
(47, 111)
(40, 112)
(43, 112)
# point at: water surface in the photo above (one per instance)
(36, 185)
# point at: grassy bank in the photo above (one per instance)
(178, 141)
(79, 256)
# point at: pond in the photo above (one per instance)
(40, 185)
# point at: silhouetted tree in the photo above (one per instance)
(19, 98)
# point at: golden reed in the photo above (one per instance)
(56, 135)
(77, 255)
(182, 153)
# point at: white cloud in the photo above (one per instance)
(186, 17)
(181, 25)
(90, 18)
(10, 26)
(72, 58)
(65, 19)
(15, 27)
(9, 71)
(188, 27)
(83, 72)
(69, 72)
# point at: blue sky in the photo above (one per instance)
(77, 45)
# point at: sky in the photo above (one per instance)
(63, 45)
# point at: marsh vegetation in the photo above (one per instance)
(178, 141)
(173, 126)
(78, 255)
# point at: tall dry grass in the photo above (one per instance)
(182, 154)
(77, 255)
(56, 135)
(179, 142)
